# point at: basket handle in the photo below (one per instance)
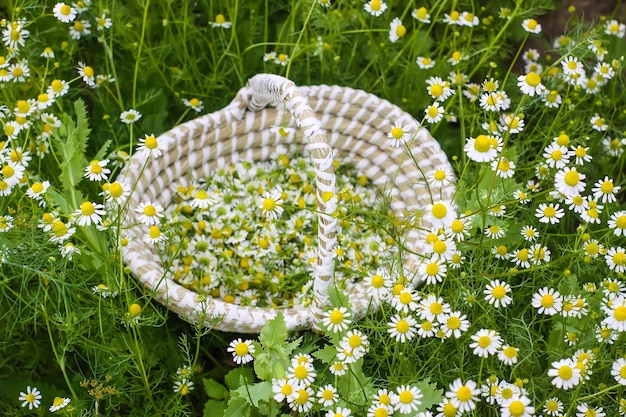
(273, 90)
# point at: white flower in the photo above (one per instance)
(566, 374)
(271, 204)
(152, 146)
(424, 62)
(508, 355)
(376, 7)
(497, 293)
(96, 170)
(485, 343)
(549, 213)
(531, 84)
(604, 190)
(89, 213)
(402, 329)
(407, 399)
(194, 104)
(531, 26)
(327, 395)
(616, 315)
(548, 301)
(221, 22)
(31, 398)
(618, 370)
(440, 214)
(517, 406)
(64, 13)
(149, 213)
(569, 182)
(463, 395)
(483, 148)
(337, 319)
(397, 30)
(398, 135)
(617, 222)
(202, 200)
(59, 403)
(241, 350)
(421, 14)
(616, 259)
(130, 116)
(615, 28)
(598, 123)
(86, 72)
(434, 113)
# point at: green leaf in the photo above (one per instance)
(432, 395)
(233, 378)
(103, 150)
(263, 365)
(261, 391)
(214, 389)
(71, 143)
(338, 298)
(274, 333)
(214, 408)
(237, 407)
(327, 354)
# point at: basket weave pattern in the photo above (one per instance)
(340, 122)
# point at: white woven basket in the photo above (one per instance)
(335, 121)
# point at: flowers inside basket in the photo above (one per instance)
(383, 144)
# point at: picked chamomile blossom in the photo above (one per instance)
(248, 233)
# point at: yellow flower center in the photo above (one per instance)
(517, 408)
(547, 300)
(155, 232)
(436, 90)
(56, 85)
(286, 389)
(549, 211)
(116, 190)
(432, 113)
(95, 168)
(432, 269)
(464, 393)
(354, 341)
(300, 372)
(482, 143)
(406, 297)
(79, 26)
(23, 106)
(422, 12)
(269, 204)
(565, 372)
(620, 313)
(194, 102)
(151, 142)
(87, 208)
(65, 10)
(401, 31)
(533, 79)
(336, 316)
(484, 341)
(150, 210)
(220, 19)
(504, 165)
(572, 178)
(405, 397)
(403, 326)
(134, 310)
(7, 171)
(510, 352)
(449, 410)
(454, 323)
(375, 5)
(619, 258)
(621, 222)
(397, 133)
(607, 187)
(303, 397)
(498, 292)
(532, 24)
(378, 281)
(439, 210)
(37, 187)
(18, 71)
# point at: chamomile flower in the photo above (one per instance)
(553, 406)
(97, 170)
(485, 343)
(439, 214)
(194, 104)
(549, 213)
(508, 355)
(604, 190)
(617, 222)
(421, 14)
(80, 29)
(459, 229)
(618, 370)
(31, 398)
(327, 395)
(397, 30)
(337, 319)
(154, 235)
(116, 191)
(432, 271)
(12, 173)
(433, 307)
(301, 374)
(454, 18)
(402, 328)
(405, 300)
(271, 204)
(531, 84)
(547, 301)
(339, 412)
(378, 285)
(425, 62)
(497, 293)
(398, 135)
(616, 259)
(464, 396)
(518, 406)
(556, 156)
(152, 146)
(58, 404)
(37, 190)
(407, 399)
(615, 28)
(438, 89)
(377, 409)
(551, 99)
(149, 213)
(375, 7)
(103, 22)
(598, 123)
(183, 387)
(14, 36)
(565, 374)
(202, 200)
(531, 26)
(338, 368)
(241, 350)
(301, 399)
(616, 315)
(87, 73)
(453, 324)
(530, 233)
(503, 167)
(569, 182)
(434, 113)
(483, 148)
(58, 88)
(221, 22)
(130, 116)
(283, 389)
(89, 213)
(511, 123)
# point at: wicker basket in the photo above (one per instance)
(340, 122)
